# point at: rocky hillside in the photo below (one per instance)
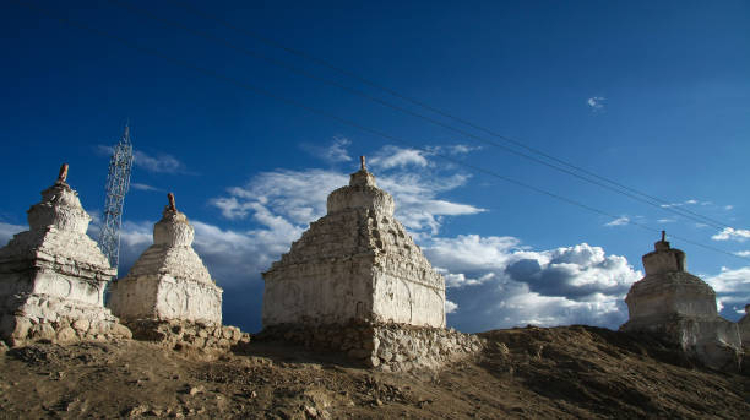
(565, 372)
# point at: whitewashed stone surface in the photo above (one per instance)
(52, 276)
(681, 307)
(169, 280)
(357, 263)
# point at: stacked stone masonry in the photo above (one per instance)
(52, 277)
(383, 347)
(682, 308)
(357, 263)
(188, 336)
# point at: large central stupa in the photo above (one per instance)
(356, 263)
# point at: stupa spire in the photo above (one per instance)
(63, 175)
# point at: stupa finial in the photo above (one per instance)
(362, 166)
(63, 175)
(172, 207)
(663, 236)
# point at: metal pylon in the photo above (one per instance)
(118, 183)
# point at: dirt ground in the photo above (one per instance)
(564, 372)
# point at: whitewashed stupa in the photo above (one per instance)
(356, 263)
(52, 277)
(681, 307)
(169, 280)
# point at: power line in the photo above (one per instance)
(294, 103)
(598, 180)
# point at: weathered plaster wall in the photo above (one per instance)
(164, 297)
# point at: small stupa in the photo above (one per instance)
(681, 307)
(52, 277)
(169, 280)
(356, 263)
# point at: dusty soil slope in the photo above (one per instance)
(561, 372)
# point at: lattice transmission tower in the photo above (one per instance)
(118, 183)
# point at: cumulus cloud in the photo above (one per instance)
(450, 307)
(732, 287)
(621, 221)
(299, 197)
(497, 283)
(729, 233)
(596, 103)
(393, 156)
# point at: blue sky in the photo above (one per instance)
(653, 95)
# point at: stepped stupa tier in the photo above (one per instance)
(52, 277)
(681, 307)
(356, 263)
(169, 280)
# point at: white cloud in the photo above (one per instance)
(728, 207)
(689, 202)
(143, 187)
(450, 307)
(729, 233)
(745, 253)
(335, 152)
(670, 220)
(458, 149)
(163, 163)
(299, 197)
(621, 221)
(596, 103)
(160, 164)
(392, 156)
(497, 283)
(732, 287)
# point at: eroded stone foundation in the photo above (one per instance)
(188, 336)
(384, 347)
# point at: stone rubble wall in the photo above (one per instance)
(182, 335)
(383, 347)
(59, 320)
